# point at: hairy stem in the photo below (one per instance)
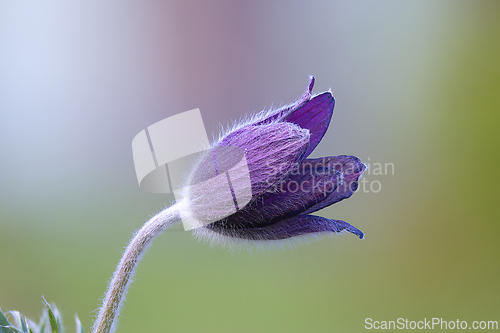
(117, 289)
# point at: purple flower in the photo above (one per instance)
(286, 186)
(256, 184)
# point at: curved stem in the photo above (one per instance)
(117, 289)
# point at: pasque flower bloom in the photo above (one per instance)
(281, 187)
(286, 186)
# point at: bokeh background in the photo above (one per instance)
(417, 84)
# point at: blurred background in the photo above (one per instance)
(417, 86)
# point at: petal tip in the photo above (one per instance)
(311, 83)
(355, 231)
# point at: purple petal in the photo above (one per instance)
(309, 184)
(315, 115)
(294, 226)
(312, 113)
(272, 151)
(352, 169)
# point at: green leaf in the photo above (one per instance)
(52, 318)
(43, 322)
(8, 329)
(79, 327)
(32, 327)
(29, 327)
(11, 329)
(19, 320)
(4, 322)
(58, 317)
